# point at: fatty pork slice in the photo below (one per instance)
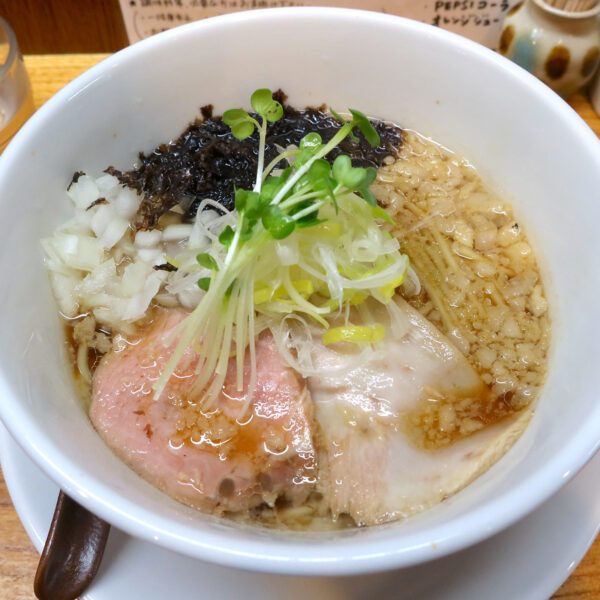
(206, 459)
(371, 468)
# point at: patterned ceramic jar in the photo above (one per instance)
(559, 47)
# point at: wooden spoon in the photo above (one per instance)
(72, 553)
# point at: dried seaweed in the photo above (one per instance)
(206, 161)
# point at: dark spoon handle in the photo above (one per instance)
(72, 553)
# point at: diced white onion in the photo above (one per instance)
(134, 277)
(147, 239)
(63, 287)
(78, 252)
(83, 192)
(108, 185)
(114, 232)
(176, 232)
(137, 306)
(126, 203)
(99, 279)
(102, 217)
(150, 255)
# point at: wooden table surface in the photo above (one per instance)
(18, 556)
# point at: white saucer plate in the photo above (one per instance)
(529, 561)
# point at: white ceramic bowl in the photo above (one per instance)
(524, 139)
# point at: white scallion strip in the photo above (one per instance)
(241, 324)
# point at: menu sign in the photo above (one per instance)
(479, 20)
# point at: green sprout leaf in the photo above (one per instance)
(228, 292)
(311, 140)
(349, 176)
(319, 171)
(302, 184)
(310, 144)
(247, 229)
(337, 116)
(309, 221)
(343, 122)
(271, 185)
(263, 103)
(311, 218)
(248, 202)
(380, 213)
(226, 236)
(360, 120)
(207, 261)
(277, 223)
(321, 180)
(241, 123)
(204, 283)
(240, 199)
(365, 191)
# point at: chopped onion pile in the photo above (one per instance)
(96, 263)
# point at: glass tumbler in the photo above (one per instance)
(16, 101)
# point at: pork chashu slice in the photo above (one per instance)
(371, 469)
(215, 460)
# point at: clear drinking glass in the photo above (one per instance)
(16, 101)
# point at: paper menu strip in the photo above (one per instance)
(479, 20)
